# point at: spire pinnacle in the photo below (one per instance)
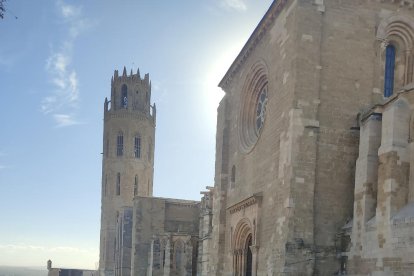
(124, 73)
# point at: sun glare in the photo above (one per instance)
(218, 67)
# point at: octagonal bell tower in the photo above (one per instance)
(128, 162)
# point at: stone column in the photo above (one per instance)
(244, 258)
(366, 178)
(151, 258)
(234, 262)
(168, 256)
(239, 262)
(394, 160)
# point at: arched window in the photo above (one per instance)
(389, 70)
(118, 183)
(124, 96)
(156, 249)
(120, 144)
(178, 255)
(137, 146)
(233, 174)
(136, 185)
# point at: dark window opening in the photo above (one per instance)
(118, 183)
(124, 97)
(233, 174)
(136, 185)
(249, 257)
(137, 146)
(120, 145)
(389, 70)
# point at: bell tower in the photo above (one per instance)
(128, 158)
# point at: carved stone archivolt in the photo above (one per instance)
(398, 30)
(244, 220)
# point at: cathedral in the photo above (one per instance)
(314, 170)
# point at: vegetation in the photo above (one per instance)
(2, 8)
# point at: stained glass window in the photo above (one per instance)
(389, 70)
(261, 108)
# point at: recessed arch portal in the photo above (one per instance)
(244, 259)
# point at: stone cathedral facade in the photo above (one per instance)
(314, 171)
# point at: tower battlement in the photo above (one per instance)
(131, 78)
(130, 93)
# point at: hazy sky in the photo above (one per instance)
(56, 63)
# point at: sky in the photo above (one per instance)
(56, 62)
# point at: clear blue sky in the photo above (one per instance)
(56, 62)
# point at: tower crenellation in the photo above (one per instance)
(131, 93)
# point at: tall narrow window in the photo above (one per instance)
(389, 70)
(233, 174)
(120, 144)
(137, 146)
(118, 183)
(178, 252)
(124, 96)
(136, 185)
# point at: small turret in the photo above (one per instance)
(106, 104)
(124, 73)
(49, 265)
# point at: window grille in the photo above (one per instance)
(120, 145)
(137, 146)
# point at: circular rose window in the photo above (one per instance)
(253, 112)
(261, 109)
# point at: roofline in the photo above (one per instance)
(271, 14)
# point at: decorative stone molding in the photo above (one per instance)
(256, 198)
(402, 3)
